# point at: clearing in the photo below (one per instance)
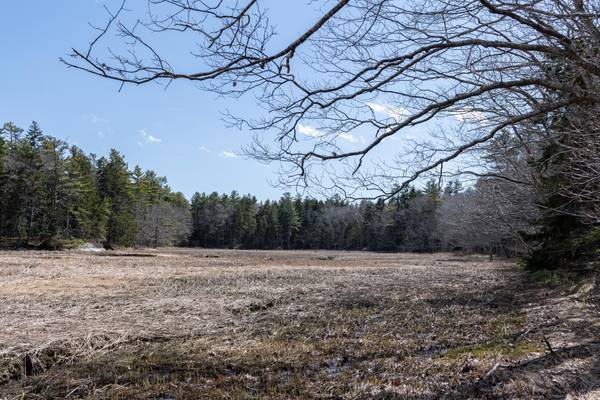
(189, 324)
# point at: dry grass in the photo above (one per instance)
(193, 324)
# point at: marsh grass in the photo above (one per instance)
(232, 324)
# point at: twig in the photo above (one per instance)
(491, 371)
(549, 346)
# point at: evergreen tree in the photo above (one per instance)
(115, 185)
(4, 182)
(29, 182)
(54, 186)
(12, 180)
(567, 176)
(10, 132)
(289, 222)
(86, 214)
(50, 192)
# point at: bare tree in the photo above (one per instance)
(374, 94)
(493, 217)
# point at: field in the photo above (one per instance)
(189, 324)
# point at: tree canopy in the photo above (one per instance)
(51, 191)
(495, 90)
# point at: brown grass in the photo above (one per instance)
(252, 324)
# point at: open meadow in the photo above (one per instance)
(189, 324)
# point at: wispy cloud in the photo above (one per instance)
(228, 154)
(94, 119)
(146, 138)
(309, 131)
(391, 111)
(469, 116)
(348, 137)
(315, 133)
(204, 149)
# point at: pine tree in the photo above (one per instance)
(198, 205)
(4, 180)
(289, 222)
(29, 177)
(55, 186)
(86, 214)
(115, 185)
(12, 181)
(567, 175)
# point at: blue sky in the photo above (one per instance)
(176, 132)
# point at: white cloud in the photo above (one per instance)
(376, 107)
(147, 138)
(101, 135)
(315, 133)
(228, 154)
(94, 119)
(204, 149)
(348, 137)
(391, 111)
(469, 116)
(309, 131)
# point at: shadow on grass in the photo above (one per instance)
(542, 377)
(335, 356)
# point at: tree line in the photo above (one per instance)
(433, 218)
(51, 191)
